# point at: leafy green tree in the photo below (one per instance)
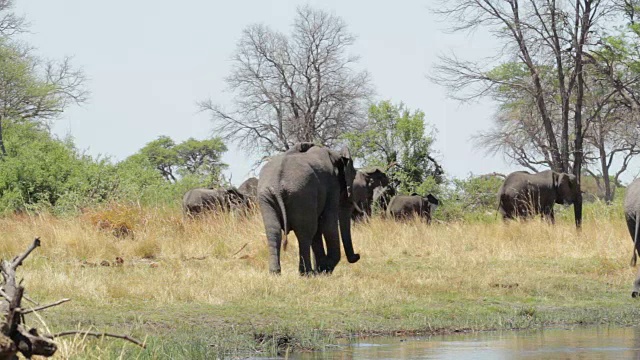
(40, 171)
(395, 138)
(162, 154)
(201, 158)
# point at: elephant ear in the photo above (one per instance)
(432, 199)
(345, 153)
(346, 171)
(555, 179)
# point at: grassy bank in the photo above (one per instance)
(198, 289)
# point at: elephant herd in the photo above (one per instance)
(316, 192)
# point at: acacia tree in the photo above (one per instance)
(201, 158)
(292, 88)
(162, 155)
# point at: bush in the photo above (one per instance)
(473, 198)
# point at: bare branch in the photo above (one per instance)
(43, 307)
(98, 334)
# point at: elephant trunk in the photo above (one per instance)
(577, 211)
(345, 232)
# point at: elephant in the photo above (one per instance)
(406, 206)
(310, 192)
(249, 187)
(524, 194)
(363, 187)
(632, 216)
(197, 201)
(382, 196)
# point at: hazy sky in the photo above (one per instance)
(150, 61)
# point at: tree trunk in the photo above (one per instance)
(3, 150)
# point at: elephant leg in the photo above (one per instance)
(332, 238)
(305, 239)
(636, 286)
(318, 251)
(274, 236)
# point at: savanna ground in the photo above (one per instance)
(201, 289)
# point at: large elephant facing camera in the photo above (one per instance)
(524, 194)
(308, 191)
(364, 184)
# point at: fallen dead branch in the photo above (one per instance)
(44, 306)
(98, 334)
(15, 336)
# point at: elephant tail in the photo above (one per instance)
(634, 258)
(285, 223)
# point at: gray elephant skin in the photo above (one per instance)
(308, 191)
(524, 195)
(249, 187)
(364, 184)
(632, 214)
(200, 200)
(403, 207)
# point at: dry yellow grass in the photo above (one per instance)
(185, 274)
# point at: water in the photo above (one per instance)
(577, 343)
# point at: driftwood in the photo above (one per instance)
(15, 336)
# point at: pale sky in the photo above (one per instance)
(150, 61)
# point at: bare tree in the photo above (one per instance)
(540, 39)
(34, 90)
(613, 139)
(288, 89)
(10, 23)
(544, 42)
(611, 134)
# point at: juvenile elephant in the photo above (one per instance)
(406, 206)
(197, 201)
(524, 194)
(632, 215)
(309, 192)
(363, 187)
